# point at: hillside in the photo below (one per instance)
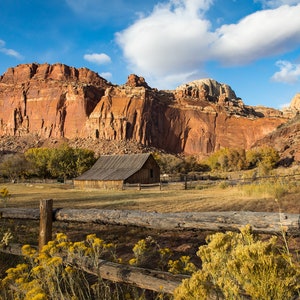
(42, 104)
(285, 139)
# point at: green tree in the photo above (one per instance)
(227, 159)
(63, 162)
(269, 156)
(39, 158)
(14, 166)
(190, 164)
(84, 160)
(67, 162)
(265, 158)
(253, 158)
(168, 163)
(237, 159)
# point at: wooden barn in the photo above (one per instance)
(112, 171)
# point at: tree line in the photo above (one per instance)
(226, 159)
(66, 162)
(60, 163)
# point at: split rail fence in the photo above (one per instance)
(261, 222)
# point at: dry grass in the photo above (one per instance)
(215, 198)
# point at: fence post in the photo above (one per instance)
(45, 234)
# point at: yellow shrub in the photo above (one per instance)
(148, 252)
(181, 266)
(46, 277)
(235, 265)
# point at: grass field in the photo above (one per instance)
(214, 198)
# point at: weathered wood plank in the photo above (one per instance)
(143, 278)
(215, 221)
(20, 213)
(261, 222)
(14, 249)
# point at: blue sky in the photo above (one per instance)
(251, 45)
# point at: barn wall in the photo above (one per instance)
(98, 184)
(149, 173)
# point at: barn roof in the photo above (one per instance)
(115, 167)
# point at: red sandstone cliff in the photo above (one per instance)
(48, 100)
(60, 101)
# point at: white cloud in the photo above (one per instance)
(9, 52)
(106, 75)
(261, 34)
(277, 3)
(97, 58)
(176, 39)
(289, 73)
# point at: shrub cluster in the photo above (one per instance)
(147, 251)
(228, 159)
(235, 265)
(240, 266)
(172, 164)
(46, 277)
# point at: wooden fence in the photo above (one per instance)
(261, 222)
(182, 181)
(141, 186)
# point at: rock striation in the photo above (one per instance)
(47, 100)
(58, 101)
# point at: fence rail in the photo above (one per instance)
(142, 186)
(261, 222)
(153, 280)
(191, 181)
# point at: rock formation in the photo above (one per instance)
(285, 139)
(295, 103)
(57, 101)
(47, 100)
